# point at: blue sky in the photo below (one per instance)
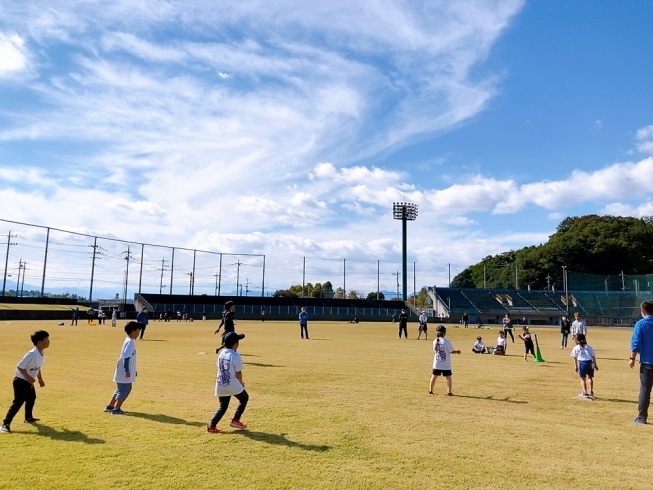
(288, 130)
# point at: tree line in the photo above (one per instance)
(593, 244)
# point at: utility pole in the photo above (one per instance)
(548, 282)
(449, 274)
(484, 279)
(263, 280)
(564, 283)
(95, 249)
(162, 269)
(220, 275)
(397, 274)
(378, 278)
(23, 283)
(238, 264)
(414, 287)
(516, 278)
(45, 260)
(172, 270)
(216, 275)
(304, 278)
(128, 257)
(344, 278)
(140, 275)
(20, 268)
(623, 281)
(9, 243)
(246, 286)
(192, 283)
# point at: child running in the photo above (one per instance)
(442, 359)
(229, 383)
(125, 373)
(585, 364)
(528, 342)
(28, 371)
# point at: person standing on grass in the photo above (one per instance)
(507, 327)
(227, 322)
(28, 370)
(642, 344)
(529, 346)
(303, 322)
(75, 317)
(125, 373)
(114, 317)
(585, 365)
(565, 330)
(143, 318)
(442, 349)
(578, 326)
(466, 319)
(229, 383)
(423, 327)
(403, 323)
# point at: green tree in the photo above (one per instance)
(339, 294)
(327, 290)
(317, 290)
(372, 296)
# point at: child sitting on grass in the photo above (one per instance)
(500, 349)
(585, 364)
(479, 346)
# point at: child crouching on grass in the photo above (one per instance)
(585, 364)
(479, 346)
(229, 383)
(442, 359)
(125, 373)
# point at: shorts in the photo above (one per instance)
(442, 372)
(499, 348)
(423, 327)
(529, 347)
(123, 390)
(585, 369)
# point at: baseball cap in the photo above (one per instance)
(232, 337)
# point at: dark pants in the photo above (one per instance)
(403, 328)
(23, 393)
(509, 331)
(646, 380)
(303, 329)
(74, 322)
(242, 397)
(143, 331)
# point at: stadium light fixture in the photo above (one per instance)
(405, 212)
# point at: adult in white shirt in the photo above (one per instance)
(578, 326)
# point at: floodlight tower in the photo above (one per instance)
(405, 212)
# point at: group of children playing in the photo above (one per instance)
(583, 355)
(229, 380)
(229, 363)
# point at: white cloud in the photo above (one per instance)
(645, 139)
(13, 56)
(621, 209)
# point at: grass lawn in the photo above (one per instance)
(347, 409)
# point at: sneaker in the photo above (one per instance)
(5, 429)
(591, 393)
(212, 430)
(430, 392)
(117, 411)
(450, 394)
(31, 421)
(237, 424)
(108, 408)
(584, 395)
(638, 420)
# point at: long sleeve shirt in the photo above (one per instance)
(642, 340)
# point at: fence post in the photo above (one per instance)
(172, 268)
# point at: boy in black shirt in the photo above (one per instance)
(403, 323)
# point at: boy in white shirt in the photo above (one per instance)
(479, 346)
(28, 370)
(125, 373)
(229, 383)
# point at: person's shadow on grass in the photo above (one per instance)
(165, 419)
(280, 440)
(260, 364)
(64, 435)
(491, 398)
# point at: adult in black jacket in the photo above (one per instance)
(403, 323)
(565, 330)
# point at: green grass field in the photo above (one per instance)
(347, 409)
